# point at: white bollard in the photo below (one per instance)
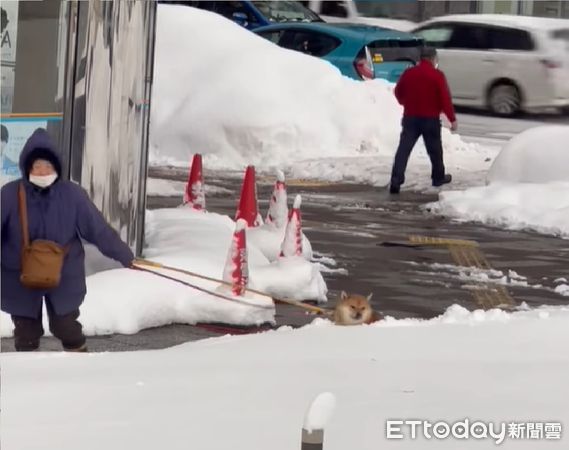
(315, 421)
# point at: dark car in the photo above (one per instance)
(254, 14)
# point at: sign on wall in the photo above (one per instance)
(9, 27)
(15, 133)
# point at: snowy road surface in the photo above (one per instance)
(485, 129)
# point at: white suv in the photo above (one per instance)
(503, 63)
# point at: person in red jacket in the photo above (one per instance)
(424, 93)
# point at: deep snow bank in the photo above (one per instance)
(528, 186)
(241, 100)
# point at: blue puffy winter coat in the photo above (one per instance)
(62, 213)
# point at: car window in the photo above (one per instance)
(435, 35)
(309, 42)
(228, 8)
(273, 36)
(561, 39)
(562, 34)
(334, 9)
(510, 39)
(386, 50)
(469, 37)
(285, 11)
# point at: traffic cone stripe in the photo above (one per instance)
(236, 269)
(194, 195)
(278, 209)
(247, 209)
(292, 243)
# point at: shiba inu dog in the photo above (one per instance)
(353, 309)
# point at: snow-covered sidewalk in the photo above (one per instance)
(252, 392)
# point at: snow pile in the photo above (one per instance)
(126, 301)
(240, 100)
(488, 370)
(538, 155)
(268, 239)
(458, 315)
(562, 289)
(281, 234)
(277, 278)
(319, 412)
(528, 186)
(278, 204)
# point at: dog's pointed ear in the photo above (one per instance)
(369, 296)
(343, 295)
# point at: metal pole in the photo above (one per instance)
(317, 416)
(69, 84)
(312, 441)
(149, 76)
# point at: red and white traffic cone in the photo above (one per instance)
(236, 270)
(278, 208)
(292, 243)
(247, 209)
(194, 195)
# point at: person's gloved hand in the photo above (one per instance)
(454, 126)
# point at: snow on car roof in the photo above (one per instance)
(534, 23)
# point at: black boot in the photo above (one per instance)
(447, 179)
(394, 189)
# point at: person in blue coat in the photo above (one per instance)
(59, 211)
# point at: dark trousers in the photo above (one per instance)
(66, 328)
(413, 129)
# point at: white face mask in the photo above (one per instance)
(44, 180)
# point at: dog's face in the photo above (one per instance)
(353, 309)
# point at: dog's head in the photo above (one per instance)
(353, 309)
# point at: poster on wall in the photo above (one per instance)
(15, 133)
(9, 27)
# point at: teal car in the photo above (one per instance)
(361, 52)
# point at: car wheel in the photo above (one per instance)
(505, 100)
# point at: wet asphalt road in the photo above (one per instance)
(349, 222)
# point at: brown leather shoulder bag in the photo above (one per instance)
(42, 260)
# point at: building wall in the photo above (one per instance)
(83, 71)
(538, 8)
(420, 10)
(110, 109)
(33, 71)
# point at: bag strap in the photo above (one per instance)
(23, 215)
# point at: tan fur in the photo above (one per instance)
(353, 309)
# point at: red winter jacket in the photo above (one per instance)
(423, 91)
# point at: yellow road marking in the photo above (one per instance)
(467, 253)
